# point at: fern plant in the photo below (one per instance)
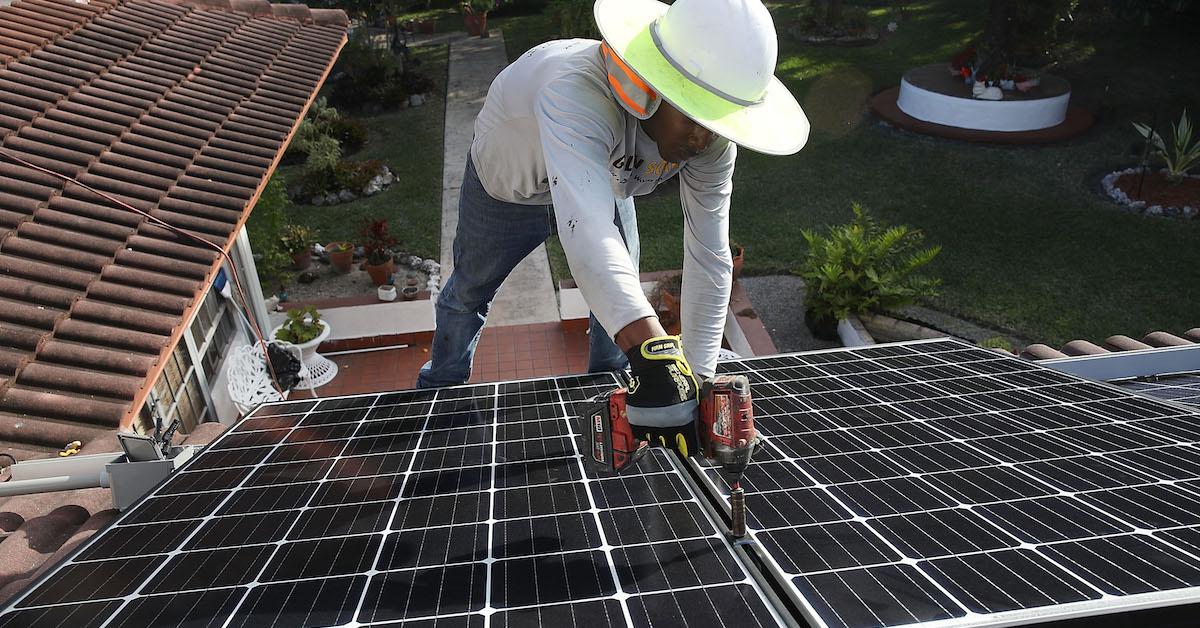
(864, 266)
(1182, 154)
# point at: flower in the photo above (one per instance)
(892, 26)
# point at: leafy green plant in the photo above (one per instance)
(864, 266)
(343, 175)
(324, 136)
(301, 326)
(572, 18)
(267, 221)
(272, 264)
(296, 238)
(1182, 154)
(996, 342)
(377, 242)
(480, 7)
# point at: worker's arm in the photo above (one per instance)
(705, 185)
(576, 143)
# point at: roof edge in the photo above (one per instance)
(185, 320)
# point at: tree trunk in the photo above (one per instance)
(996, 47)
(833, 12)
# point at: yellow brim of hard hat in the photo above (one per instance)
(776, 126)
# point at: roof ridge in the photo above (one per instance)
(261, 8)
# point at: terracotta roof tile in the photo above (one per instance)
(37, 531)
(178, 108)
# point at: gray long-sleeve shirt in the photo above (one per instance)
(552, 131)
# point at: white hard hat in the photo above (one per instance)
(714, 60)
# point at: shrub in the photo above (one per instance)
(325, 135)
(377, 242)
(296, 238)
(367, 76)
(1182, 154)
(996, 342)
(572, 18)
(343, 175)
(863, 266)
(301, 326)
(267, 221)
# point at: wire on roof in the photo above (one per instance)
(237, 282)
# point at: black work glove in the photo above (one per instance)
(663, 395)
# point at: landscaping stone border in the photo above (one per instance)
(1109, 184)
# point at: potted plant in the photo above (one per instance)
(738, 253)
(860, 267)
(303, 328)
(665, 300)
(386, 292)
(297, 241)
(377, 244)
(341, 255)
(475, 16)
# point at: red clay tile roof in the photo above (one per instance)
(180, 109)
(37, 531)
(1152, 340)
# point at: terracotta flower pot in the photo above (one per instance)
(476, 23)
(342, 261)
(739, 254)
(380, 273)
(302, 259)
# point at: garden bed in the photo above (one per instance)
(1154, 195)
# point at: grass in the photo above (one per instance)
(1028, 245)
(409, 141)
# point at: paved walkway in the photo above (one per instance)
(527, 296)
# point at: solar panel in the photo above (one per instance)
(938, 482)
(1177, 388)
(466, 506)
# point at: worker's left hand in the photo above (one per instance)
(663, 395)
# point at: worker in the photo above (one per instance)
(587, 125)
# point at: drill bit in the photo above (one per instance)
(737, 511)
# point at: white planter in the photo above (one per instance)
(309, 348)
(386, 292)
(852, 333)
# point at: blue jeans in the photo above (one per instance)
(492, 238)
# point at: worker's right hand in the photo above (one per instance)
(663, 394)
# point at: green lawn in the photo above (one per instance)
(410, 142)
(1028, 246)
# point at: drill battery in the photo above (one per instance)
(611, 441)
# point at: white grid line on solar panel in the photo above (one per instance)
(864, 520)
(162, 599)
(825, 418)
(1178, 388)
(385, 413)
(32, 591)
(1141, 480)
(247, 455)
(681, 588)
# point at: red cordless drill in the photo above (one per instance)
(726, 426)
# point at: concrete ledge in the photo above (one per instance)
(349, 320)
(887, 329)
